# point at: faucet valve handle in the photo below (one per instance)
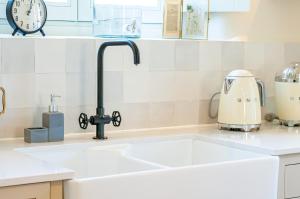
(116, 118)
(83, 121)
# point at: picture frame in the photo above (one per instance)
(172, 26)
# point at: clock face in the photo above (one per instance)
(29, 15)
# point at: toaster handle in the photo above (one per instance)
(262, 92)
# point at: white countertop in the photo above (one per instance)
(271, 140)
(17, 168)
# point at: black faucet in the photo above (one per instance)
(100, 119)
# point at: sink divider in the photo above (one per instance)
(160, 166)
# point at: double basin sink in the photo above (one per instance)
(164, 167)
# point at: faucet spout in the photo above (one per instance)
(131, 44)
(136, 53)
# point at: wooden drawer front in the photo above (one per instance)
(30, 191)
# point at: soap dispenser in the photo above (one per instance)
(54, 121)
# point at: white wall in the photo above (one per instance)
(268, 20)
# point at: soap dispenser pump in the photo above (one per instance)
(54, 121)
(53, 106)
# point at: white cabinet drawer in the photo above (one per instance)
(30, 191)
(292, 181)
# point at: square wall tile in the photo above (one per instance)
(17, 55)
(161, 114)
(135, 116)
(81, 56)
(81, 89)
(162, 87)
(20, 90)
(232, 55)
(274, 54)
(13, 122)
(50, 55)
(47, 84)
(292, 53)
(254, 55)
(136, 87)
(162, 55)
(186, 113)
(113, 59)
(210, 82)
(187, 55)
(210, 55)
(185, 86)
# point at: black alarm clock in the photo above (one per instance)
(26, 16)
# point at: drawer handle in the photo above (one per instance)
(3, 102)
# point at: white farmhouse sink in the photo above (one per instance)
(184, 152)
(89, 160)
(172, 168)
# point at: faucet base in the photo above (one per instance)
(95, 138)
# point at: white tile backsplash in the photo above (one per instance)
(210, 82)
(17, 55)
(171, 86)
(233, 55)
(50, 56)
(274, 54)
(81, 56)
(210, 56)
(113, 87)
(254, 55)
(186, 112)
(134, 115)
(162, 55)
(47, 84)
(81, 89)
(136, 87)
(292, 53)
(161, 86)
(20, 90)
(185, 86)
(161, 114)
(187, 55)
(14, 121)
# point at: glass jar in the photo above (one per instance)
(117, 21)
(195, 19)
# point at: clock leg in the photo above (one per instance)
(42, 32)
(15, 32)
